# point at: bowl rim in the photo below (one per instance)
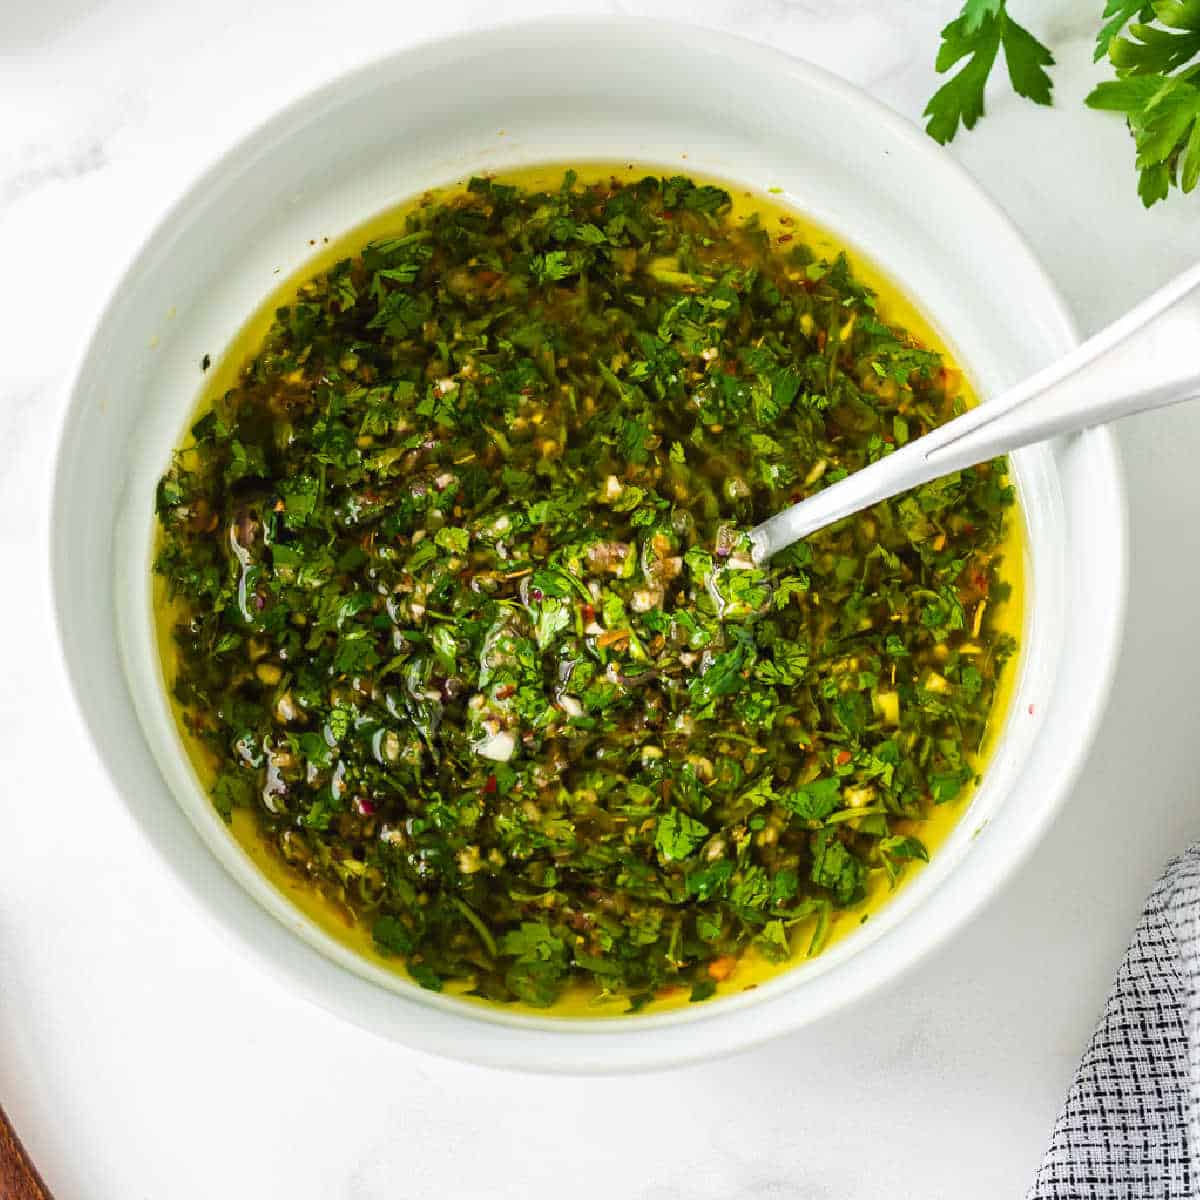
(555, 1052)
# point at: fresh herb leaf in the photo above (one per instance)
(678, 835)
(978, 35)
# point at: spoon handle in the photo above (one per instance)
(1150, 358)
(19, 1179)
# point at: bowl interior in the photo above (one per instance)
(572, 91)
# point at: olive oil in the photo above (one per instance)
(784, 225)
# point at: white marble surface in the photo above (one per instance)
(140, 1056)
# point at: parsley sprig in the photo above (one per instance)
(978, 35)
(1153, 47)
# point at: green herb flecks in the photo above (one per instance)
(466, 621)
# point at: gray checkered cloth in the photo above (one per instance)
(1131, 1120)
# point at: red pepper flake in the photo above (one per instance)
(490, 786)
(843, 757)
(589, 613)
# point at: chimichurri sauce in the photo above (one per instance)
(464, 612)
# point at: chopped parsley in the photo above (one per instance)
(464, 614)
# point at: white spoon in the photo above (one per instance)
(1150, 358)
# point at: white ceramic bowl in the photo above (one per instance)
(573, 90)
